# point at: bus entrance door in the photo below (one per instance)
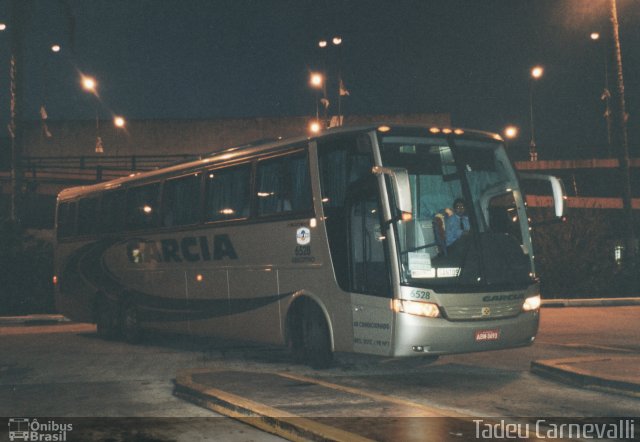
(369, 275)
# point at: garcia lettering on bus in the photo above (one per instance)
(187, 249)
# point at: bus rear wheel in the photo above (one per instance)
(105, 320)
(315, 338)
(130, 324)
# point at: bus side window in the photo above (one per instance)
(87, 216)
(112, 207)
(283, 185)
(227, 193)
(142, 206)
(181, 201)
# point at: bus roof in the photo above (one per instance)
(255, 148)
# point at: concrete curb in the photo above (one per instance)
(575, 371)
(298, 407)
(32, 319)
(595, 302)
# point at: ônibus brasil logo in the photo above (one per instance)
(31, 430)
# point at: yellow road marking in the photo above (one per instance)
(260, 411)
(46, 329)
(431, 411)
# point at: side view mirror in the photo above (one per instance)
(557, 189)
(401, 186)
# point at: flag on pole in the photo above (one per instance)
(99, 147)
(44, 117)
(343, 90)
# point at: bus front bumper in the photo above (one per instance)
(416, 335)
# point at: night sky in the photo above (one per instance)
(199, 59)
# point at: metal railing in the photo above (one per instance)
(95, 168)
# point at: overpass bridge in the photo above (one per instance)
(590, 183)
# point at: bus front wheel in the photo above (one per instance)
(316, 340)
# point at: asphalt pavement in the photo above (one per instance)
(280, 409)
(301, 408)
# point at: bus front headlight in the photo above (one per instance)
(531, 304)
(426, 309)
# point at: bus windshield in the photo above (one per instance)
(469, 227)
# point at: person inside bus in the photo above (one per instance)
(456, 222)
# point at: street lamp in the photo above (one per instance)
(316, 80)
(622, 140)
(315, 127)
(89, 84)
(510, 132)
(536, 74)
(323, 45)
(606, 94)
(119, 122)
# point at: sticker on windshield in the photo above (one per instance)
(448, 272)
(419, 261)
(415, 274)
(303, 236)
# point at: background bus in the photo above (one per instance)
(324, 244)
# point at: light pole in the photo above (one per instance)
(336, 41)
(536, 73)
(342, 91)
(89, 84)
(55, 48)
(622, 141)
(606, 94)
(317, 82)
(18, 11)
(120, 124)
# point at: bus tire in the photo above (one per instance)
(317, 342)
(296, 339)
(130, 324)
(105, 319)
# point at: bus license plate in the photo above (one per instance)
(487, 335)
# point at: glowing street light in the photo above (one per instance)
(316, 80)
(337, 40)
(595, 36)
(55, 48)
(536, 74)
(537, 71)
(315, 127)
(89, 84)
(119, 122)
(322, 43)
(3, 27)
(510, 132)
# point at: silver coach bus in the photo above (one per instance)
(341, 242)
